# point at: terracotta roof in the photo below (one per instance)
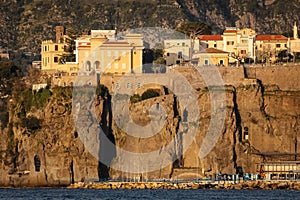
(230, 31)
(212, 50)
(210, 37)
(115, 42)
(84, 44)
(271, 37)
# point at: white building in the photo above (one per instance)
(179, 50)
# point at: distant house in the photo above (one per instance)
(214, 57)
(268, 46)
(211, 41)
(178, 50)
(239, 43)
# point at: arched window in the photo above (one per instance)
(37, 163)
(96, 65)
(88, 66)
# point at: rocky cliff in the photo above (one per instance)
(41, 146)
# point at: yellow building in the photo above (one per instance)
(95, 54)
(268, 46)
(238, 42)
(211, 56)
(122, 56)
(211, 41)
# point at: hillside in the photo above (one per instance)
(23, 20)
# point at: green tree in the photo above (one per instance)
(193, 29)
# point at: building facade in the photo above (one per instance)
(179, 50)
(212, 56)
(97, 53)
(245, 43)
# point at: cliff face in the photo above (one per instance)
(42, 146)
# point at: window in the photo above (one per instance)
(139, 85)
(179, 54)
(116, 54)
(45, 48)
(56, 47)
(215, 45)
(221, 62)
(117, 85)
(55, 59)
(183, 44)
(109, 53)
(97, 65)
(206, 62)
(123, 65)
(116, 65)
(285, 45)
(168, 54)
(230, 42)
(128, 85)
(243, 52)
(244, 41)
(88, 66)
(278, 45)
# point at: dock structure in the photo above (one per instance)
(279, 170)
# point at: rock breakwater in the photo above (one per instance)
(249, 185)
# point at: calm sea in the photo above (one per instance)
(145, 194)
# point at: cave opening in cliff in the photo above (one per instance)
(37, 163)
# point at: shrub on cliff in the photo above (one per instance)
(41, 98)
(31, 123)
(150, 93)
(135, 98)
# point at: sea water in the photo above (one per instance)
(145, 194)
